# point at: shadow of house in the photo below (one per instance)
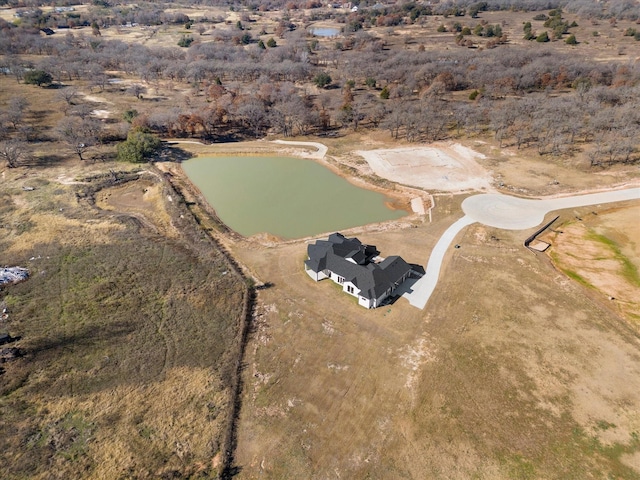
(350, 263)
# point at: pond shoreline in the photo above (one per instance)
(403, 198)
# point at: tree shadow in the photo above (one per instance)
(172, 153)
(44, 161)
(85, 338)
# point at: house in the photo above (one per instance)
(352, 264)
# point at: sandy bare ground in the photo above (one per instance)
(322, 149)
(440, 166)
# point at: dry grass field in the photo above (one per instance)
(512, 371)
(128, 329)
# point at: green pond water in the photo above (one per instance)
(287, 197)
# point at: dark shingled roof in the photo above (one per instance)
(371, 278)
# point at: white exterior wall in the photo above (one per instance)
(356, 290)
(317, 276)
(311, 273)
(364, 302)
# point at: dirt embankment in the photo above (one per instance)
(600, 250)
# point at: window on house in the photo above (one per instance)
(350, 289)
(340, 280)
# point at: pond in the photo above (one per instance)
(324, 31)
(287, 197)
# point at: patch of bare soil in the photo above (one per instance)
(601, 251)
(441, 166)
(143, 199)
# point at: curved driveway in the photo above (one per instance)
(500, 211)
(512, 213)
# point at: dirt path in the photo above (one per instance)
(319, 155)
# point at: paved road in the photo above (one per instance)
(500, 211)
(511, 213)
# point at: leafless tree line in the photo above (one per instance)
(531, 97)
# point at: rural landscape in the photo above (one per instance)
(158, 322)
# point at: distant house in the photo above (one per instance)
(350, 263)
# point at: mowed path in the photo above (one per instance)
(500, 211)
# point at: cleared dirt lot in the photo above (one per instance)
(440, 166)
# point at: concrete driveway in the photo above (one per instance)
(512, 213)
(508, 213)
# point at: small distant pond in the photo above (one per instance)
(287, 197)
(325, 31)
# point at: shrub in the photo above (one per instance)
(384, 94)
(473, 95)
(185, 41)
(37, 77)
(138, 147)
(571, 40)
(442, 28)
(543, 37)
(370, 82)
(129, 115)
(322, 79)
(271, 43)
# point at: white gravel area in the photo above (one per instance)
(449, 167)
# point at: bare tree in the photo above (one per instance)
(16, 110)
(394, 120)
(79, 135)
(253, 115)
(137, 90)
(67, 95)
(82, 110)
(13, 151)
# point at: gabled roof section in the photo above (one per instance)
(395, 268)
(351, 259)
(348, 248)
